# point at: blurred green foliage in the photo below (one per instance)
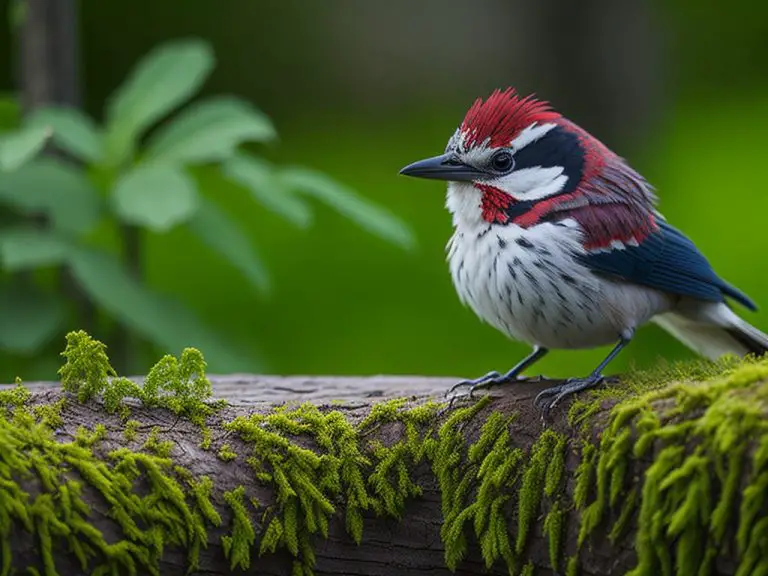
(344, 302)
(126, 185)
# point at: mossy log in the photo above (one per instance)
(663, 473)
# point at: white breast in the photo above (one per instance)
(527, 283)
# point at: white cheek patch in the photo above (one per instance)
(532, 183)
(531, 134)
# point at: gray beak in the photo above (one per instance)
(443, 167)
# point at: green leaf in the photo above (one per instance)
(216, 229)
(209, 131)
(53, 188)
(162, 320)
(29, 318)
(260, 179)
(157, 197)
(165, 78)
(19, 147)
(366, 214)
(73, 131)
(26, 247)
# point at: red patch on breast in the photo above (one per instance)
(494, 204)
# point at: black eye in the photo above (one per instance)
(502, 161)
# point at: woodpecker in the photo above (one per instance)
(557, 242)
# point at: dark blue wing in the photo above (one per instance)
(667, 260)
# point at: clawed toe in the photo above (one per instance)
(567, 388)
(488, 381)
(473, 383)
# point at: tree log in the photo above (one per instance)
(665, 474)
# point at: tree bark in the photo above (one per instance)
(411, 545)
(49, 75)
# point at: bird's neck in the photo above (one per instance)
(464, 202)
(475, 206)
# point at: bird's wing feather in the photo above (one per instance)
(668, 261)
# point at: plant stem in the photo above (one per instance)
(126, 343)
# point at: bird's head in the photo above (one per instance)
(509, 156)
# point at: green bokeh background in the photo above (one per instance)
(345, 302)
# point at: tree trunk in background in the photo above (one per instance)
(603, 62)
(49, 54)
(49, 74)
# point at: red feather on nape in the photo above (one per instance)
(502, 117)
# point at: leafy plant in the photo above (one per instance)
(132, 174)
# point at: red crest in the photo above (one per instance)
(502, 117)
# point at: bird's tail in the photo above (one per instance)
(713, 330)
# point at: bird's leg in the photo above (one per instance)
(573, 385)
(494, 378)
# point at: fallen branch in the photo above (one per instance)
(665, 473)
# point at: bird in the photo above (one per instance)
(558, 243)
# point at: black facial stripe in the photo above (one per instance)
(558, 147)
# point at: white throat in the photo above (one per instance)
(464, 202)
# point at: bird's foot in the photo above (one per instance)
(493, 375)
(557, 393)
(489, 380)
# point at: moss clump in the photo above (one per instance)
(390, 483)
(205, 442)
(131, 430)
(177, 384)
(690, 492)
(162, 514)
(226, 453)
(307, 482)
(238, 545)
(153, 443)
(55, 510)
(494, 465)
(87, 438)
(15, 397)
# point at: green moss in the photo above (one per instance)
(153, 443)
(87, 438)
(15, 397)
(477, 486)
(177, 384)
(50, 414)
(201, 490)
(205, 442)
(700, 427)
(226, 453)
(583, 475)
(690, 490)
(572, 568)
(237, 546)
(58, 512)
(131, 429)
(553, 528)
(543, 453)
(87, 370)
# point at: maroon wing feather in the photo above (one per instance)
(613, 203)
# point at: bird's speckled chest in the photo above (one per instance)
(527, 283)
